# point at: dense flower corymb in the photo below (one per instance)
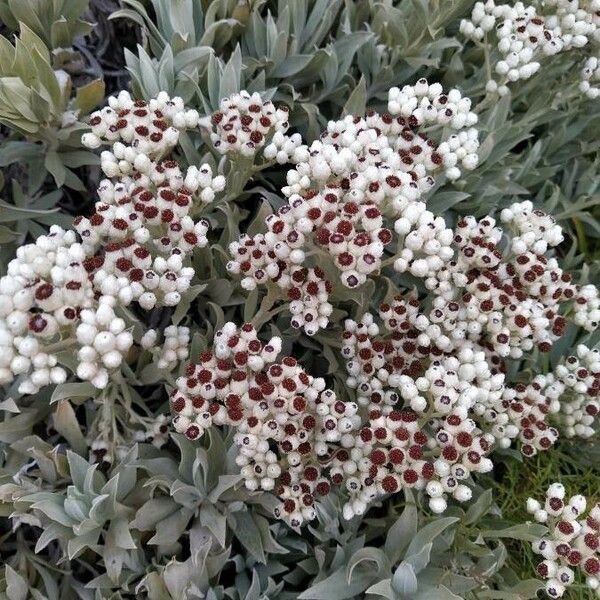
(572, 543)
(348, 189)
(67, 288)
(287, 424)
(525, 35)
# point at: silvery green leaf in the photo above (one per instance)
(253, 592)
(329, 75)
(196, 56)
(120, 534)
(76, 509)
(18, 426)
(52, 505)
(79, 469)
(291, 66)
(479, 508)
(178, 577)
(492, 562)
(357, 101)
(524, 590)
(319, 22)
(401, 532)
(219, 33)
(154, 586)
(270, 543)
(148, 74)
(428, 533)
(215, 521)
(248, 533)
(420, 560)
(166, 71)
(51, 532)
(404, 581)
(524, 531)
(67, 425)
(187, 452)
(78, 544)
(231, 76)
(224, 483)
(16, 586)
(371, 556)
(9, 405)
(185, 494)
(216, 456)
(68, 391)
(439, 593)
(113, 559)
(103, 508)
(152, 512)
(383, 588)
(336, 586)
(347, 46)
(441, 201)
(169, 530)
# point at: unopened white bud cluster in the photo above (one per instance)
(430, 106)
(590, 78)
(282, 147)
(40, 297)
(245, 122)
(174, 349)
(572, 542)
(580, 405)
(526, 34)
(533, 230)
(103, 342)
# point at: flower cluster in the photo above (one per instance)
(344, 186)
(418, 365)
(66, 288)
(245, 122)
(156, 433)
(138, 242)
(505, 301)
(579, 406)
(42, 295)
(432, 418)
(142, 230)
(431, 377)
(144, 130)
(174, 349)
(406, 377)
(396, 451)
(573, 540)
(288, 425)
(532, 229)
(529, 409)
(103, 342)
(526, 34)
